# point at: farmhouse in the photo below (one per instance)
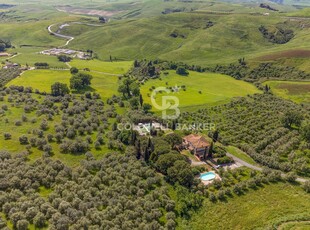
(72, 53)
(196, 144)
(10, 65)
(4, 54)
(145, 128)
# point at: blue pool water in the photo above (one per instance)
(207, 176)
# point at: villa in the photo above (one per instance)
(196, 144)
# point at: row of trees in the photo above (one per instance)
(238, 70)
(7, 75)
(41, 65)
(266, 127)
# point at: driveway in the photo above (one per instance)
(242, 162)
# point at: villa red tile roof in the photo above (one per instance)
(197, 141)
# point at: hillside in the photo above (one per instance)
(230, 37)
(154, 114)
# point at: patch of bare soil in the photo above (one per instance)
(286, 54)
(295, 88)
(88, 11)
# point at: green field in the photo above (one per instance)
(215, 88)
(105, 85)
(41, 79)
(296, 91)
(104, 67)
(255, 210)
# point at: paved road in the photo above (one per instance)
(236, 159)
(69, 38)
(242, 162)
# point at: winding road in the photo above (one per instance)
(246, 164)
(69, 38)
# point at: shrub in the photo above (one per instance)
(44, 125)
(212, 197)
(306, 186)
(50, 137)
(4, 107)
(64, 58)
(74, 70)
(18, 123)
(7, 136)
(24, 118)
(290, 177)
(47, 148)
(23, 140)
(224, 160)
(181, 70)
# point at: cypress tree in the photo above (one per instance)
(138, 149)
(141, 99)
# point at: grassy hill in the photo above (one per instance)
(200, 88)
(231, 37)
(234, 33)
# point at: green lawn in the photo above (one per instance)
(255, 210)
(240, 154)
(296, 91)
(215, 88)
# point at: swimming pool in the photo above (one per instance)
(207, 176)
